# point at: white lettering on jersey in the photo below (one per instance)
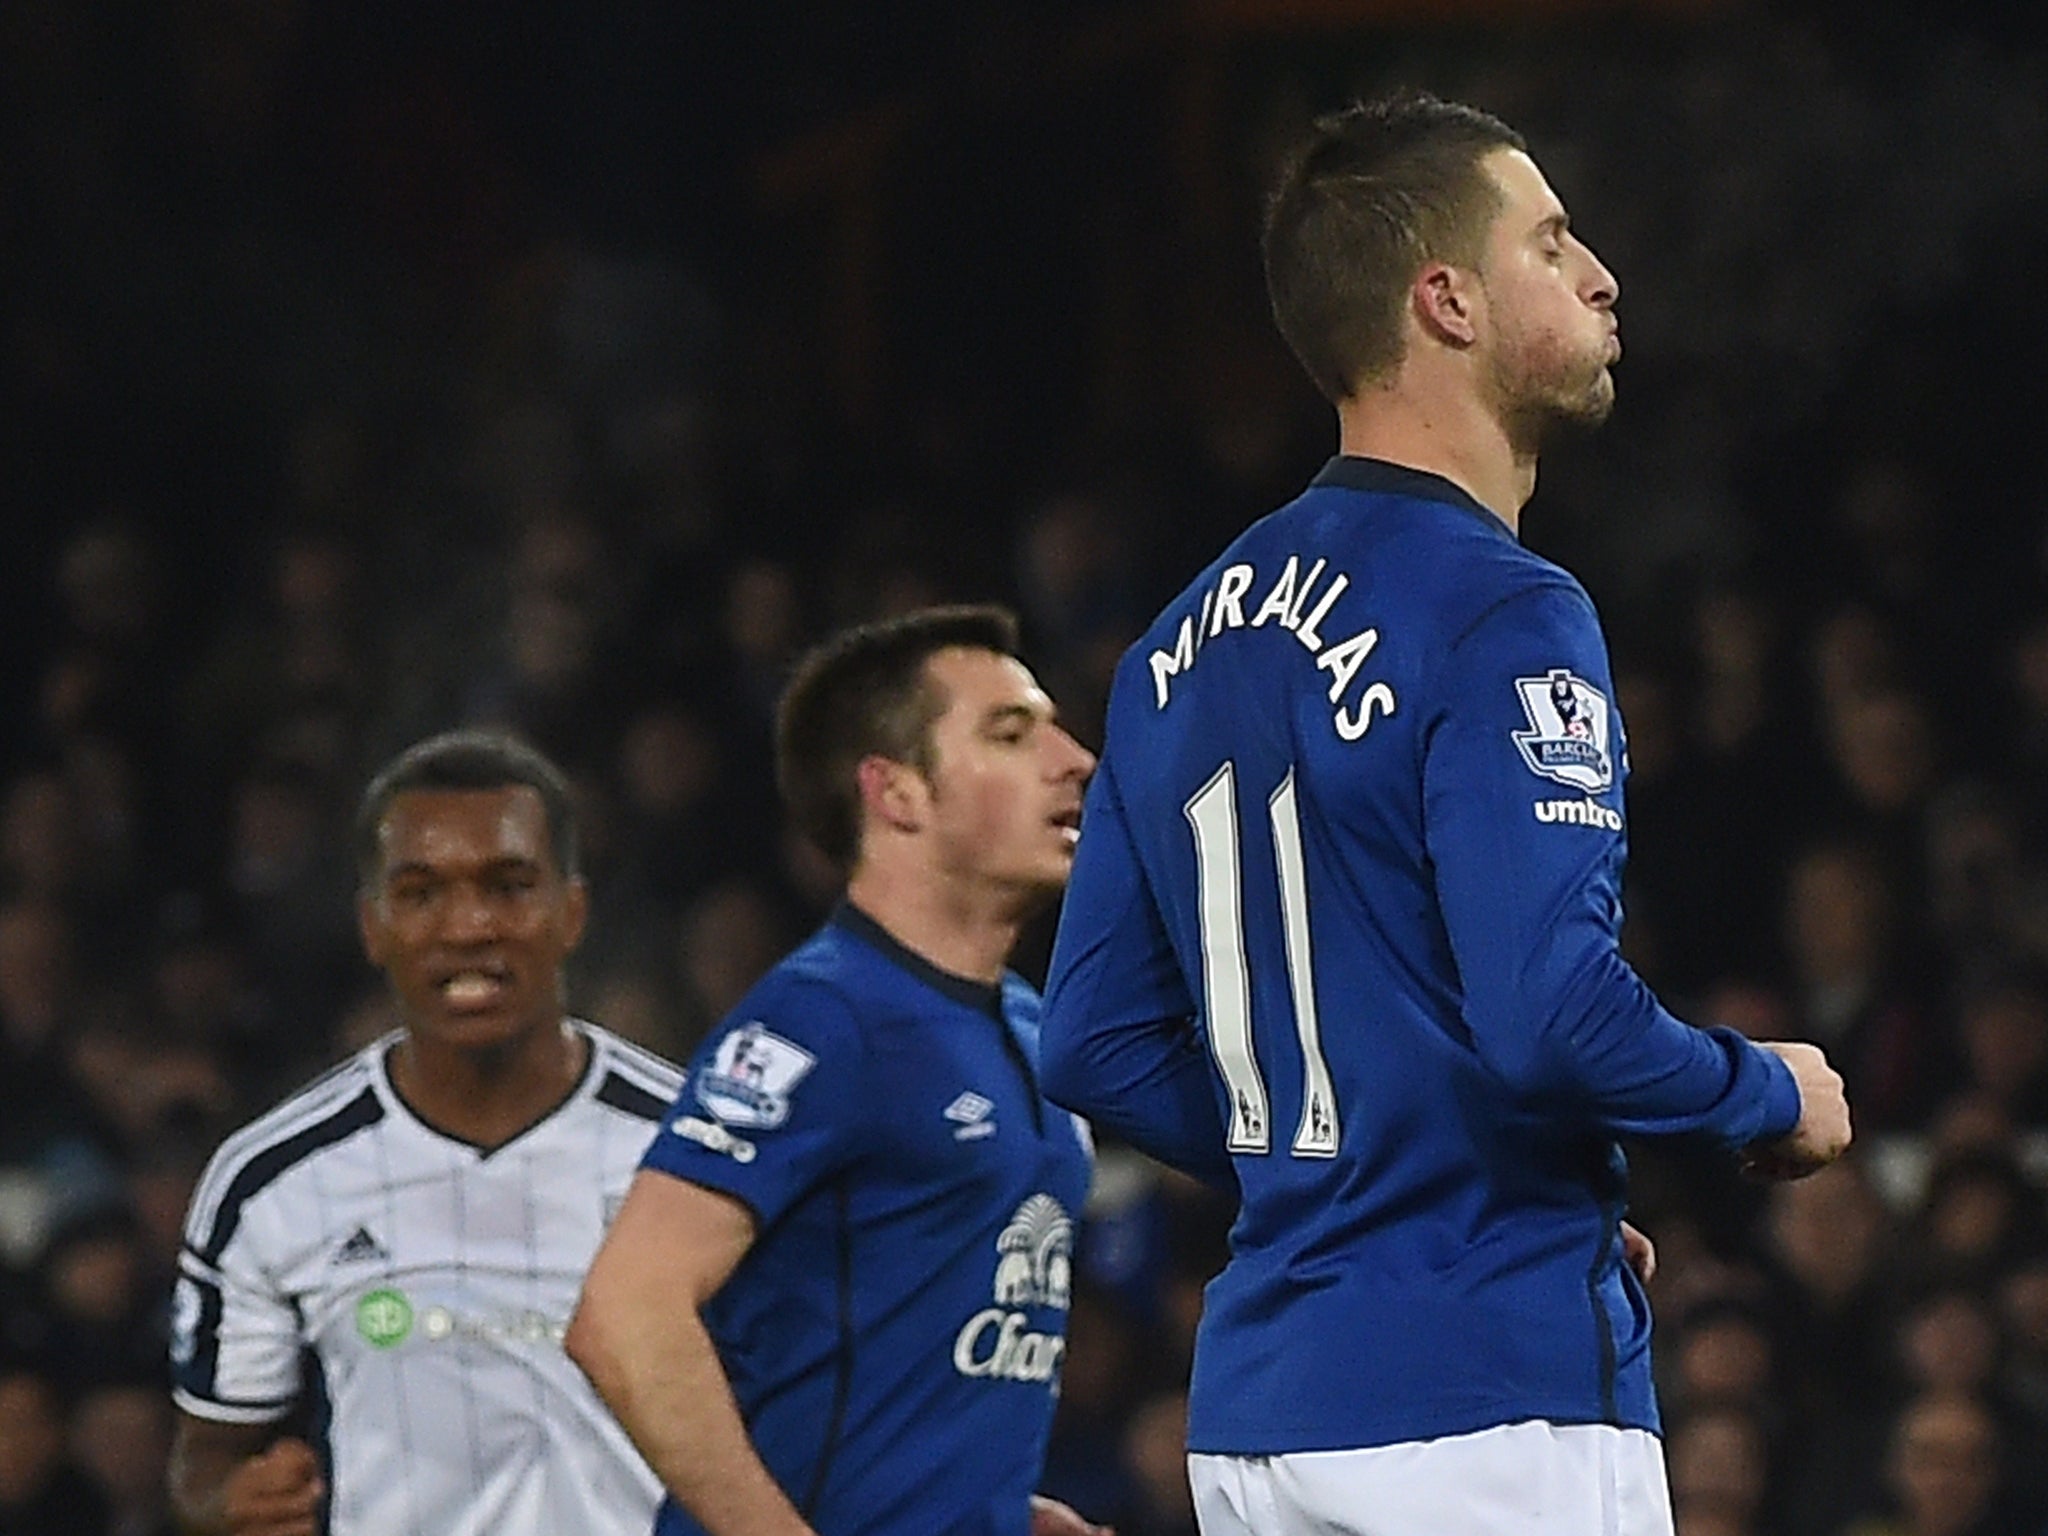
(1231, 587)
(1000, 1344)
(1172, 663)
(1578, 813)
(1305, 631)
(1342, 662)
(1034, 1267)
(1281, 598)
(1298, 603)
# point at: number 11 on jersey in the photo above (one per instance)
(1226, 973)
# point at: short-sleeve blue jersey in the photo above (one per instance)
(894, 1335)
(1344, 923)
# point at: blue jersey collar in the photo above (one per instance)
(1378, 477)
(979, 996)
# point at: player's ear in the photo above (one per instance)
(1442, 300)
(892, 794)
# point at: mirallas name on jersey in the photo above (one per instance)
(1299, 603)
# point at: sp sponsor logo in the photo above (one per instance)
(1034, 1268)
(384, 1317)
(750, 1078)
(1569, 726)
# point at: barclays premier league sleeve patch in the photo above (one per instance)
(1567, 739)
(749, 1080)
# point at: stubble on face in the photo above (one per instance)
(1545, 389)
(1548, 367)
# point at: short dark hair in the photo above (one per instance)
(1378, 190)
(467, 759)
(863, 693)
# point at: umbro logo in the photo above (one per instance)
(360, 1248)
(970, 1114)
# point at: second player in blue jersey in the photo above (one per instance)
(836, 1297)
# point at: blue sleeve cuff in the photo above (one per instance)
(1781, 1096)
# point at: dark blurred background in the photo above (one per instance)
(367, 369)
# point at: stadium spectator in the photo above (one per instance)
(42, 1491)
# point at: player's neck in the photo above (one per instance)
(1446, 432)
(958, 931)
(488, 1096)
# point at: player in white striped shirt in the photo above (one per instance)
(391, 1255)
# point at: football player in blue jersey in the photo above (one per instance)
(1343, 924)
(835, 1299)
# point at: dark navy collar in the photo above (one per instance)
(978, 995)
(1351, 472)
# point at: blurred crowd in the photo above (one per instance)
(298, 477)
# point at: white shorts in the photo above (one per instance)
(1531, 1479)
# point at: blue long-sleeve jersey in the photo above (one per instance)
(1344, 924)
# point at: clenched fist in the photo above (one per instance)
(1821, 1135)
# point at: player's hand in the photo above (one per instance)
(276, 1492)
(1049, 1517)
(1639, 1253)
(1821, 1135)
